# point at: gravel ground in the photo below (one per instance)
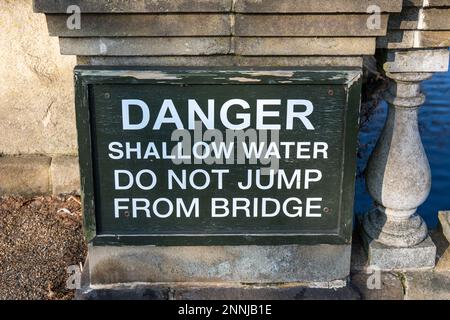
(39, 238)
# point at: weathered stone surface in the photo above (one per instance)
(427, 3)
(307, 25)
(286, 6)
(137, 46)
(397, 40)
(388, 258)
(444, 222)
(434, 19)
(427, 286)
(252, 264)
(129, 25)
(213, 291)
(135, 291)
(36, 86)
(390, 286)
(119, 6)
(336, 290)
(221, 60)
(414, 39)
(431, 60)
(125, 292)
(442, 251)
(25, 175)
(254, 46)
(432, 39)
(251, 292)
(421, 19)
(251, 46)
(293, 6)
(443, 262)
(65, 175)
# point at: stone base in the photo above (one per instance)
(217, 272)
(444, 221)
(224, 264)
(29, 175)
(336, 290)
(421, 256)
(213, 292)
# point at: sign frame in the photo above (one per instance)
(88, 76)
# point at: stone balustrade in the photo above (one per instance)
(398, 174)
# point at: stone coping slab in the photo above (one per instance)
(165, 6)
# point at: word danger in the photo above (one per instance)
(295, 110)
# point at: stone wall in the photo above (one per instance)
(37, 123)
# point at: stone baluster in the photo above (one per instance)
(398, 179)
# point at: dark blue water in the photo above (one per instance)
(434, 126)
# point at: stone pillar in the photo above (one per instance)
(398, 173)
(398, 179)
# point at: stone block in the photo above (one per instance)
(251, 292)
(213, 291)
(428, 3)
(414, 39)
(406, 20)
(132, 25)
(36, 86)
(426, 60)
(444, 223)
(443, 263)
(390, 286)
(311, 6)
(421, 19)
(24, 175)
(396, 39)
(307, 25)
(432, 39)
(435, 19)
(120, 6)
(442, 250)
(387, 258)
(427, 286)
(140, 46)
(286, 46)
(65, 175)
(224, 61)
(250, 264)
(336, 290)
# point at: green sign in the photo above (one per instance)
(202, 157)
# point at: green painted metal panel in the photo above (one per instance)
(150, 202)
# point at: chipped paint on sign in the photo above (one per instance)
(242, 79)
